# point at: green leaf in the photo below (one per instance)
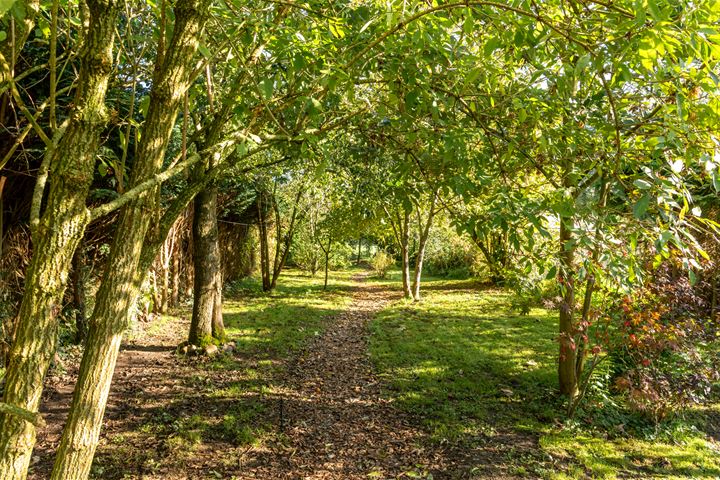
(654, 10)
(266, 88)
(469, 23)
(364, 27)
(642, 184)
(582, 63)
(492, 45)
(144, 104)
(716, 179)
(3, 35)
(551, 273)
(241, 148)
(641, 206)
(204, 51)
(5, 6)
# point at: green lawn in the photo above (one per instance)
(467, 366)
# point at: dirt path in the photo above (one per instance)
(337, 424)
(146, 373)
(327, 415)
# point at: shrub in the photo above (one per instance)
(306, 254)
(667, 354)
(449, 254)
(340, 256)
(381, 263)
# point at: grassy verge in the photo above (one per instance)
(469, 367)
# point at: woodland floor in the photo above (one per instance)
(300, 398)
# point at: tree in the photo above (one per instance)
(70, 161)
(122, 277)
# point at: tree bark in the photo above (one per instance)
(175, 290)
(218, 324)
(78, 289)
(2, 213)
(56, 237)
(327, 252)
(125, 271)
(206, 259)
(264, 247)
(424, 234)
(405, 251)
(282, 249)
(567, 367)
(401, 231)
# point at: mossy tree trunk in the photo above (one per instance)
(78, 293)
(123, 276)
(56, 236)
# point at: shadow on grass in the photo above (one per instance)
(469, 369)
(451, 369)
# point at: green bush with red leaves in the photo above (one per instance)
(666, 353)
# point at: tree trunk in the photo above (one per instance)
(78, 290)
(2, 213)
(264, 247)
(405, 250)
(327, 267)
(282, 249)
(125, 272)
(175, 289)
(424, 234)
(567, 366)
(218, 324)
(568, 350)
(206, 258)
(327, 260)
(56, 237)
(359, 254)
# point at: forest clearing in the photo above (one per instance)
(359, 239)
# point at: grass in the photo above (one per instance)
(468, 367)
(271, 325)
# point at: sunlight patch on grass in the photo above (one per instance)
(268, 325)
(623, 458)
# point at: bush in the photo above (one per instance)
(666, 358)
(381, 263)
(306, 254)
(449, 254)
